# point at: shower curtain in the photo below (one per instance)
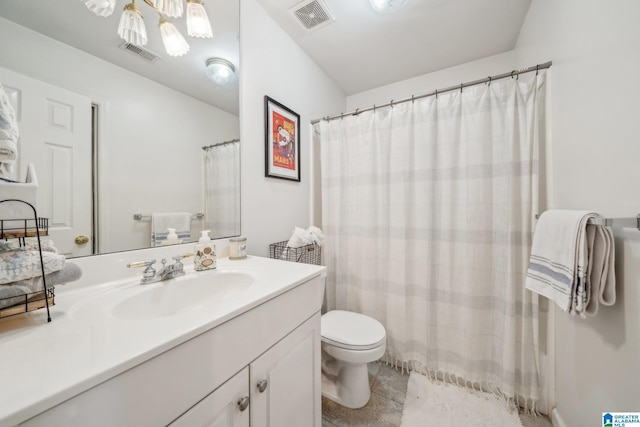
(222, 189)
(427, 208)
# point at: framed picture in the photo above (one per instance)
(282, 141)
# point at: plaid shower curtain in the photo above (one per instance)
(428, 210)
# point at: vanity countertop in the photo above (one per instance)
(43, 364)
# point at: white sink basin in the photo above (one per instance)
(173, 297)
(183, 294)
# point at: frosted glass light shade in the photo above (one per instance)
(387, 6)
(102, 8)
(174, 43)
(197, 20)
(170, 8)
(220, 71)
(131, 27)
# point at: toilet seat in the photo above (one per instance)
(351, 331)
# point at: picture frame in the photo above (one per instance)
(282, 141)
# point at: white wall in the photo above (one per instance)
(595, 149)
(427, 83)
(273, 64)
(165, 173)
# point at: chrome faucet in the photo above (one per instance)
(150, 275)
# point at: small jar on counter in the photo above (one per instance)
(238, 247)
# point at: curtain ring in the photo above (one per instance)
(489, 83)
(391, 103)
(374, 108)
(412, 99)
(436, 93)
(537, 68)
(461, 85)
(341, 116)
(355, 113)
(512, 73)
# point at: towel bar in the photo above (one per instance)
(631, 222)
(140, 217)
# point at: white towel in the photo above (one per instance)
(301, 237)
(572, 263)
(160, 222)
(8, 134)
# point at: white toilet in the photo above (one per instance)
(349, 341)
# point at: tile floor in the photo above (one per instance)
(388, 389)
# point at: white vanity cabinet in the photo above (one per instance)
(282, 389)
(285, 381)
(200, 382)
(227, 406)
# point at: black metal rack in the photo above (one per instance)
(308, 254)
(21, 229)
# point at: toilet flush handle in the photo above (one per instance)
(262, 386)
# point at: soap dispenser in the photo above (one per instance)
(172, 237)
(205, 253)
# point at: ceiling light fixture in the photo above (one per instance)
(220, 71)
(174, 42)
(101, 7)
(387, 6)
(198, 24)
(131, 27)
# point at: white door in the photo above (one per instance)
(227, 406)
(55, 135)
(285, 380)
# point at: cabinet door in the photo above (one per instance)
(221, 408)
(285, 380)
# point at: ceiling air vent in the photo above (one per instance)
(141, 52)
(312, 15)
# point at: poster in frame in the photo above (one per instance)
(282, 141)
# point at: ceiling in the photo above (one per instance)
(363, 49)
(70, 22)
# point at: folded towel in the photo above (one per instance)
(160, 222)
(30, 244)
(316, 235)
(20, 265)
(572, 262)
(8, 134)
(13, 293)
(301, 237)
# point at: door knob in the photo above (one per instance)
(262, 386)
(243, 403)
(81, 240)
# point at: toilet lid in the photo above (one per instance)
(352, 331)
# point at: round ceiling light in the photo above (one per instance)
(220, 71)
(387, 6)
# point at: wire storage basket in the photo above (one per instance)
(308, 254)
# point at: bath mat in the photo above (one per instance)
(436, 404)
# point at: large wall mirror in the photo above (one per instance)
(119, 134)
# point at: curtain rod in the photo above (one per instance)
(231, 141)
(435, 93)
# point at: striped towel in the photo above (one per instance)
(160, 222)
(572, 262)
